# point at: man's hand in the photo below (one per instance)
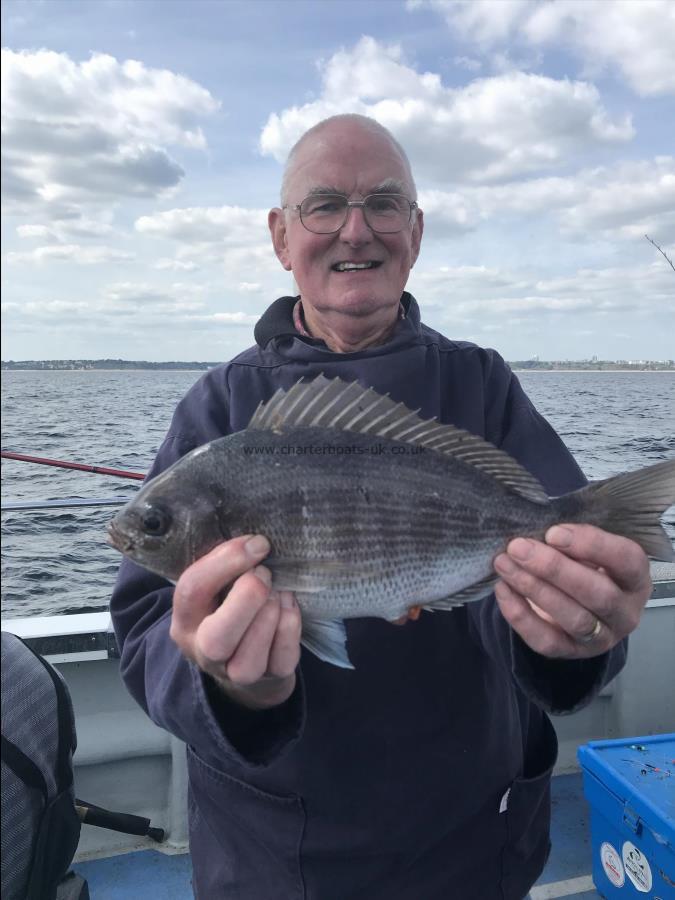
(250, 643)
(575, 596)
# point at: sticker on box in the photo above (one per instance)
(637, 867)
(611, 863)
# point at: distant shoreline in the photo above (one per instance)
(632, 370)
(119, 365)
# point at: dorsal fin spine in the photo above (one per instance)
(313, 402)
(350, 426)
(372, 425)
(343, 412)
(378, 414)
(323, 412)
(410, 415)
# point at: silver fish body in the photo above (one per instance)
(370, 519)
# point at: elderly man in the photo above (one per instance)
(424, 773)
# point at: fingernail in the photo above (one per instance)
(287, 599)
(559, 536)
(263, 574)
(257, 545)
(521, 548)
(504, 564)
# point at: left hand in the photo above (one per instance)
(575, 596)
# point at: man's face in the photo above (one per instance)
(349, 160)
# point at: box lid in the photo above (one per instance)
(640, 772)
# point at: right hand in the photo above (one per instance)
(250, 643)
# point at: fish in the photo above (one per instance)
(369, 509)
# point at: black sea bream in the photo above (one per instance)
(369, 509)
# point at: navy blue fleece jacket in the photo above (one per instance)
(422, 774)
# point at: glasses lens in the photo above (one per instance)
(327, 213)
(324, 213)
(387, 212)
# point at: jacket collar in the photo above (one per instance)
(277, 322)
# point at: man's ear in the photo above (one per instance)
(276, 220)
(417, 232)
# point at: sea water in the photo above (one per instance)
(58, 561)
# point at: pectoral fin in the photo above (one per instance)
(475, 591)
(327, 639)
(308, 576)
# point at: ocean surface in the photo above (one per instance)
(57, 561)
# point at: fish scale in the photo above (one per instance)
(369, 509)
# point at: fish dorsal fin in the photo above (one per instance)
(347, 406)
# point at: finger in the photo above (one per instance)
(554, 582)
(544, 637)
(249, 662)
(593, 588)
(219, 634)
(195, 594)
(623, 559)
(285, 651)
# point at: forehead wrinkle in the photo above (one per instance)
(388, 186)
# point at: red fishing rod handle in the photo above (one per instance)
(64, 464)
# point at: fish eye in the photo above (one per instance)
(155, 521)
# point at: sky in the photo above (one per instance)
(143, 143)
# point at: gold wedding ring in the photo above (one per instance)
(592, 635)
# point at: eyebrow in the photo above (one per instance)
(389, 186)
(322, 189)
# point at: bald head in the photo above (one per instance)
(337, 126)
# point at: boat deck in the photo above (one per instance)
(568, 873)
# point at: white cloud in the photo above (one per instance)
(232, 318)
(635, 37)
(93, 131)
(36, 231)
(177, 265)
(45, 309)
(84, 256)
(62, 230)
(482, 293)
(468, 63)
(143, 304)
(226, 225)
(620, 201)
(492, 129)
(139, 298)
(231, 236)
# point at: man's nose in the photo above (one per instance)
(356, 230)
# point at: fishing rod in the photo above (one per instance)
(64, 464)
(70, 503)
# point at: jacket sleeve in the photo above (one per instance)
(172, 690)
(513, 423)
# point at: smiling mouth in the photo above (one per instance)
(356, 266)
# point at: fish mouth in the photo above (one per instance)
(350, 265)
(118, 539)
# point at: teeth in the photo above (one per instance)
(347, 266)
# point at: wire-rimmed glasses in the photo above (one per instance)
(327, 213)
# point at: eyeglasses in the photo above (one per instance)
(327, 213)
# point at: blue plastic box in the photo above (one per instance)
(630, 786)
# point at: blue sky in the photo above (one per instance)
(143, 144)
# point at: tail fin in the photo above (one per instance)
(635, 502)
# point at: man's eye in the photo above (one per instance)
(330, 206)
(323, 206)
(383, 204)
